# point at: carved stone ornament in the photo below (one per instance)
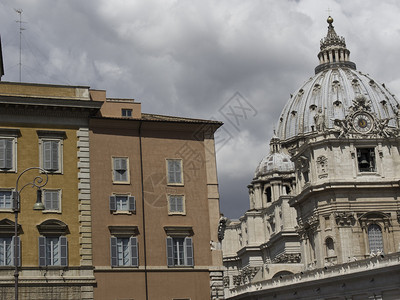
(322, 166)
(362, 122)
(284, 258)
(226, 281)
(398, 216)
(345, 219)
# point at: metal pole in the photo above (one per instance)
(37, 182)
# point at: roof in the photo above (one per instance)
(163, 118)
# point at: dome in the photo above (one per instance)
(274, 162)
(329, 94)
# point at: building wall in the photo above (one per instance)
(159, 141)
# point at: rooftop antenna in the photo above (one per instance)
(19, 11)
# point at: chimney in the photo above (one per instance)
(1, 62)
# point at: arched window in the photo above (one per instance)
(330, 247)
(375, 238)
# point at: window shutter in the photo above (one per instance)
(54, 155)
(64, 251)
(18, 253)
(47, 155)
(114, 258)
(132, 203)
(9, 154)
(42, 251)
(189, 251)
(134, 252)
(170, 252)
(113, 203)
(2, 153)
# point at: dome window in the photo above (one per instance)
(383, 102)
(313, 107)
(371, 82)
(337, 103)
(294, 113)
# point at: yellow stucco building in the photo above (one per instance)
(46, 127)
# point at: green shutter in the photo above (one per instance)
(64, 251)
(170, 252)
(188, 244)
(42, 251)
(134, 251)
(113, 203)
(131, 203)
(114, 258)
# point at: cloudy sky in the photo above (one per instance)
(200, 59)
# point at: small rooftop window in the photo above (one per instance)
(126, 112)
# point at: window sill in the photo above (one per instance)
(176, 213)
(6, 210)
(175, 184)
(181, 267)
(367, 173)
(8, 171)
(121, 182)
(51, 211)
(123, 212)
(124, 267)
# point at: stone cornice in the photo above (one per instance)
(324, 187)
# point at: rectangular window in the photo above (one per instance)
(7, 160)
(179, 251)
(120, 170)
(53, 251)
(122, 203)
(52, 200)
(124, 252)
(51, 155)
(126, 112)
(7, 251)
(176, 204)
(174, 170)
(366, 159)
(5, 199)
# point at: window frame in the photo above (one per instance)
(371, 150)
(62, 252)
(132, 249)
(7, 209)
(59, 195)
(131, 203)
(11, 249)
(129, 112)
(172, 243)
(13, 152)
(114, 170)
(372, 242)
(169, 182)
(176, 212)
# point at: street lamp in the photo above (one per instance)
(37, 182)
